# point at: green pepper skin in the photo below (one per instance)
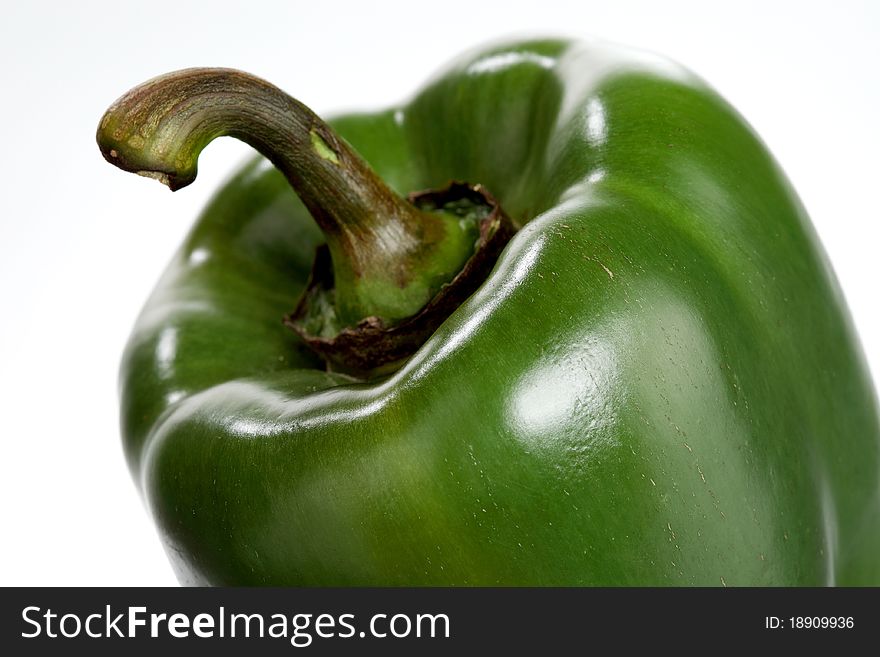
(658, 384)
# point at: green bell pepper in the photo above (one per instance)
(656, 382)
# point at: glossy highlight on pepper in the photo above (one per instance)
(657, 384)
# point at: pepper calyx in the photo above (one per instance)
(373, 345)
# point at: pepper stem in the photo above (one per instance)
(389, 257)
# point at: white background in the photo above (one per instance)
(82, 244)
